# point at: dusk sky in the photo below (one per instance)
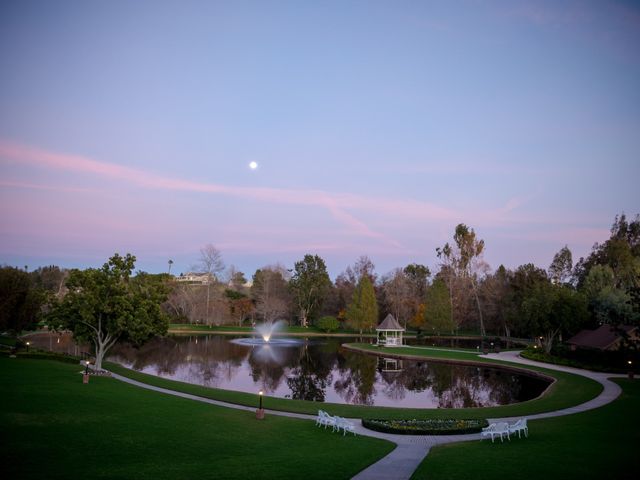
(377, 127)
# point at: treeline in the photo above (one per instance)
(463, 295)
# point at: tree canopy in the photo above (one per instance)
(362, 313)
(107, 304)
(309, 285)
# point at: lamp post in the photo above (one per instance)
(630, 363)
(85, 376)
(28, 343)
(260, 411)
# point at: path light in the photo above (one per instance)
(85, 377)
(28, 343)
(260, 411)
(630, 363)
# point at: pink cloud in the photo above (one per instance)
(337, 204)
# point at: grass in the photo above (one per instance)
(601, 443)
(568, 390)
(53, 426)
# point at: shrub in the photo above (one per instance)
(328, 324)
(426, 427)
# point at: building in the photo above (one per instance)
(195, 278)
(389, 333)
(605, 337)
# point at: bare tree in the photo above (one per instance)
(397, 292)
(270, 292)
(212, 265)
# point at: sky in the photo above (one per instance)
(377, 127)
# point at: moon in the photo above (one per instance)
(253, 165)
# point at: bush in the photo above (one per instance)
(426, 427)
(328, 324)
(607, 361)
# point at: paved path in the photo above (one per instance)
(412, 449)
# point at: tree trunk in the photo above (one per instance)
(475, 294)
(207, 312)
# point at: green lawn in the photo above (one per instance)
(53, 426)
(568, 390)
(601, 443)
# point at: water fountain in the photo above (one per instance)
(266, 337)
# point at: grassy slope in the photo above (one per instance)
(53, 426)
(601, 443)
(568, 390)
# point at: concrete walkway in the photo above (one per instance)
(412, 449)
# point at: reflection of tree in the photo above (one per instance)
(268, 365)
(310, 379)
(202, 360)
(311, 369)
(357, 378)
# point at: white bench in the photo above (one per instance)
(344, 425)
(326, 420)
(519, 427)
(495, 429)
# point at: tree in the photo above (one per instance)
(170, 264)
(552, 309)
(212, 265)
(561, 267)
(270, 293)
(463, 264)
(608, 303)
(417, 276)
(328, 324)
(50, 279)
(397, 292)
(362, 312)
(309, 286)
(20, 301)
(240, 306)
(437, 312)
(107, 304)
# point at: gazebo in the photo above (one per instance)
(389, 332)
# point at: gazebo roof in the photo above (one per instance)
(390, 323)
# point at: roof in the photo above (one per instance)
(602, 337)
(390, 323)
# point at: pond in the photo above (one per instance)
(319, 369)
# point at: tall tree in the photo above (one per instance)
(212, 265)
(309, 285)
(107, 304)
(437, 312)
(463, 264)
(561, 267)
(398, 294)
(362, 313)
(417, 276)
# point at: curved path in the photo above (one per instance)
(412, 449)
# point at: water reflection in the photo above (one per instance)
(320, 370)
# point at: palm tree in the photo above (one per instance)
(170, 263)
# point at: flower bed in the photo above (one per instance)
(426, 427)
